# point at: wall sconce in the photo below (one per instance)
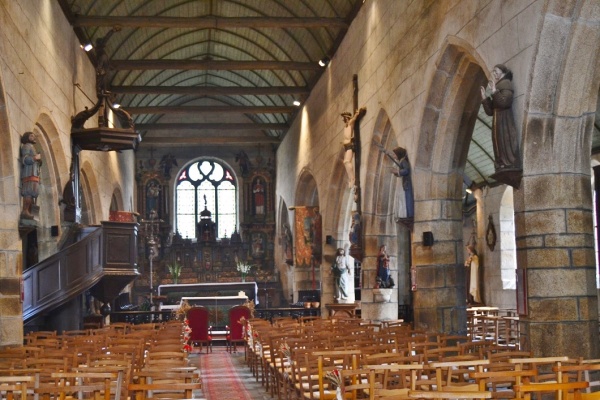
(427, 238)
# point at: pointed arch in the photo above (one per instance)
(204, 182)
(89, 186)
(53, 172)
(307, 193)
(446, 128)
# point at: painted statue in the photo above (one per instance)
(31, 162)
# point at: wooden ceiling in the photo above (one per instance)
(220, 72)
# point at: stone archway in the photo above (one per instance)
(89, 185)
(307, 194)
(554, 203)
(284, 253)
(447, 125)
(384, 203)
(53, 176)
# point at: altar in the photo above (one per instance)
(218, 307)
(175, 292)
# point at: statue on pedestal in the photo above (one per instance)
(341, 273)
(31, 161)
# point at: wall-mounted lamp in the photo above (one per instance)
(116, 105)
(296, 103)
(87, 47)
(428, 239)
(323, 62)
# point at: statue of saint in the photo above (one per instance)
(472, 266)
(103, 62)
(384, 278)
(31, 161)
(258, 191)
(497, 101)
(404, 173)
(341, 275)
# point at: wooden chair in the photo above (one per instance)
(122, 368)
(66, 385)
(450, 375)
(581, 372)
(237, 330)
(357, 383)
(329, 361)
(500, 382)
(201, 330)
(170, 384)
(393, 381)
(445, 394)
(543, 365)
(15, 387)
(561, 390)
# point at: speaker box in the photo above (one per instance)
(427, 238)
(329, 239)
(54, 230)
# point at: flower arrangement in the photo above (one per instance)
(244, 268)
(175, 270)
(250, 305)
(185, 337)
(335, 377)
(284, 349)
(181, 312)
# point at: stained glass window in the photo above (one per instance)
(206, 183)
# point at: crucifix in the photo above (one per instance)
(352, 146)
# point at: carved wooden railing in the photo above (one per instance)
(104, 261)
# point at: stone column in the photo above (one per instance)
(440, 297)
(553, 206)
(11, 314)
(555, 250)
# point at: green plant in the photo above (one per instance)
(175, 270)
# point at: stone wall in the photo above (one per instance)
(45, 78)
(397, 50)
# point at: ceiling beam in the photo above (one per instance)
(209, 140)
(220, 126)
(212, 109)
(212, 90)
(208, 22)
(212, 65)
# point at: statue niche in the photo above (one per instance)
(153, 191)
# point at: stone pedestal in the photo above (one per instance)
(382, 295)
(344, 310)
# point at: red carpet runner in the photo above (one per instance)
(220, 378)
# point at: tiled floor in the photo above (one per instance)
(256, 390)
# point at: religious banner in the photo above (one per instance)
(308, 236)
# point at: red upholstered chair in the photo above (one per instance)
(201, 330)
(236, 330)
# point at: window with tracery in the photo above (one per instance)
(206, 183)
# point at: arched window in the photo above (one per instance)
(206, 183)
